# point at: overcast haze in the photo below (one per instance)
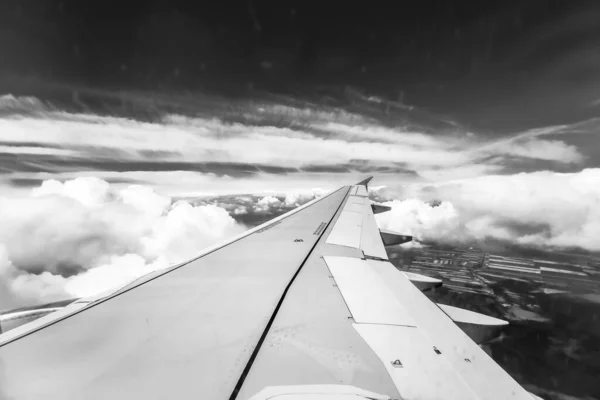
(134, 134)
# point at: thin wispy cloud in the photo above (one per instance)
(70, 141)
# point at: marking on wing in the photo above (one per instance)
(444, 355)
(320, 228)
(421, 374)
(266, 228)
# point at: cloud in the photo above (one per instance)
(540, 208)
(84, 236)
(553, 150)
(35, 150)
(7, 298)
(117, 271)
(59, 142)
(185, 229)
(423, 221)
(88, 191)
(297, 198)
(287, 200)
(145, 199)
(240, 210)
(21, 104)
(269, 201)
(267, 204)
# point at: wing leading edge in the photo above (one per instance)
(308, 300)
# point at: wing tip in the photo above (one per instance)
(365, 182)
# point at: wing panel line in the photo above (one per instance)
(260, 342)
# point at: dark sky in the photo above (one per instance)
(496, 65)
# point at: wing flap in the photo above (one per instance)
(366, 296)
(474, 367)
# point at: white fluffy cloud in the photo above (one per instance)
(89, 191)
(82, 236)
(187, 229)
(541, 208)
(291, 199)
(145, 199)
(267, 203)
(117, 271)
(422, 221)
(296, 198)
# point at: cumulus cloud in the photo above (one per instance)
(117, 271)
(83, 236)
(145, 199)
(268, 202)
(540, 208)
(240, 210)
(423, 221)
(89, 191)
(178, 235)
(287, 200)
(297, 198)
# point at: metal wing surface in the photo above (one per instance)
(306, 306)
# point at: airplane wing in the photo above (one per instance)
(306, 306)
